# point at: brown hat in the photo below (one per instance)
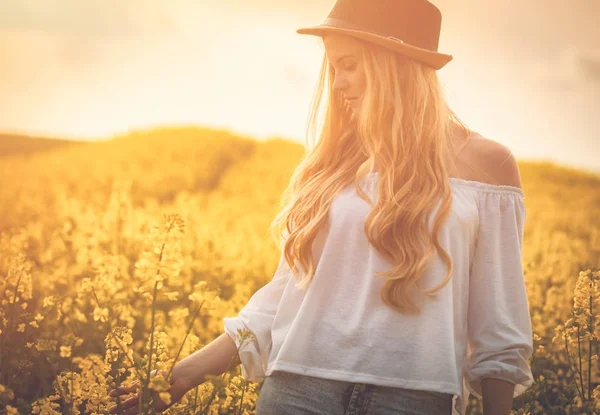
(409, 27)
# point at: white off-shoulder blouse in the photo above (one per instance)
(478, 327)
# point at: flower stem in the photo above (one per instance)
(571, 365)
(591, 331)
(242, 398)
(580, 364)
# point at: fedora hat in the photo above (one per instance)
(409, 27)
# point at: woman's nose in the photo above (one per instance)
(340, 84)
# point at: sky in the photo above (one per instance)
(524, 73)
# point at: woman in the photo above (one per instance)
(400, 287)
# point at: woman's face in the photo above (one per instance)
(344, 55)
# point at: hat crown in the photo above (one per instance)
(416, 22)
(408, 27)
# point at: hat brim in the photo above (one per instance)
(434, 59)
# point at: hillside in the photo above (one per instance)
(23, 145)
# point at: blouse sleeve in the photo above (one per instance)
(499, 334)
(257, 316)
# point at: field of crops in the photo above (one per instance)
(124, 256)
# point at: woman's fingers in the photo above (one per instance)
(132, 411)
(126, 404)
(121, 390)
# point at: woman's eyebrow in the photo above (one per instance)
(344, 56)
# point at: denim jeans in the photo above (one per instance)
(290, 393)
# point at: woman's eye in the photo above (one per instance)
(347, 67)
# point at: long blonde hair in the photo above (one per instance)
(403, 113)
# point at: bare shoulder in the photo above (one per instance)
(494, 162)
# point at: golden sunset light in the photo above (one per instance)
(269, 207)
(82, 71)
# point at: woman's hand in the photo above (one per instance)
(130, 406)
(214, 359)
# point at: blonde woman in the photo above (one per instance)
(400, 287)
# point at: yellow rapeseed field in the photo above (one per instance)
(119, 258)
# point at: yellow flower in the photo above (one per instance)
(148, 297)
(10, 410)
(65, 351)
(100, 314)
(244, 337)
(21, 327)
(34, 323)
(209, 299)
(45, 345)
(49, 301)
(161, 385)
(172, 296)
(79, 316)
(165, 397)
(86, 285)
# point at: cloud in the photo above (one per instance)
(107, 18)
(573, 69)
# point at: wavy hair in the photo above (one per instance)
(404, 121)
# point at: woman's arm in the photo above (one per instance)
(497, 396)
(212, 359)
